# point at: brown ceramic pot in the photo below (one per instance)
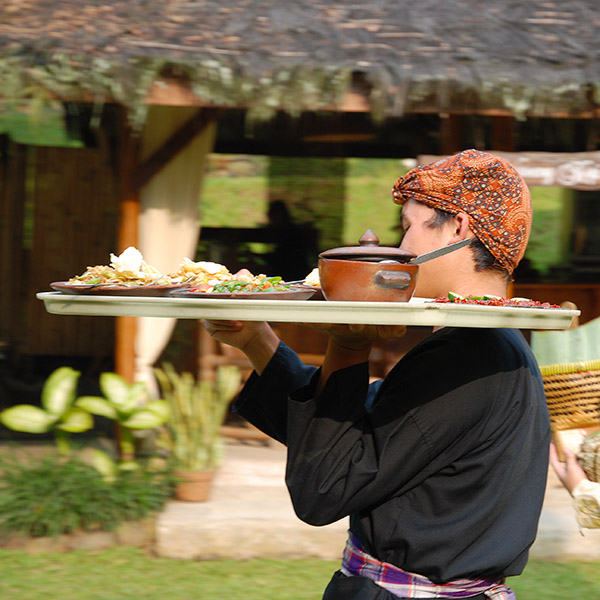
(355, 280)
(368, 272)
(373, 273)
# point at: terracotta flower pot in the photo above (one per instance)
(195, 486)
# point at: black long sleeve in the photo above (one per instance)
(441, 468)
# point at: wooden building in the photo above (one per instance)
(145, 84)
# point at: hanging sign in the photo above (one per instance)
(577, 170)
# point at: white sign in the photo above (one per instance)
(578, 170)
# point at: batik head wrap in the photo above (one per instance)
(485, 187)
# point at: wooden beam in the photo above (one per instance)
(127, 235)
(177, 91)
(175, 144)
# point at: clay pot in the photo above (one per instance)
(195, 486)
(367, 272)
(373, 273)
(355, 280)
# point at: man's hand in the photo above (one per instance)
(234, 333)
(357, 336)
(255, 339)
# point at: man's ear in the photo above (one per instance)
(462, 230)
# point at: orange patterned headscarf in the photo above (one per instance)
(485, 187)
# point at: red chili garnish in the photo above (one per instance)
(497, 302)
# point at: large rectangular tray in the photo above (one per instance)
(415, 312)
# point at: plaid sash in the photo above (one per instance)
(410, 585)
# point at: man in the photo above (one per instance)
(441, 467)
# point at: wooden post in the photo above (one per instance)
(129, 209)
(451, 134)
(503, 134)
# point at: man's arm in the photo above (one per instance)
(255, 339)
(350, 345)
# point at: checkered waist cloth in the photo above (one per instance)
(410, 585)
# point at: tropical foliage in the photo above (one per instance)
(198, 409)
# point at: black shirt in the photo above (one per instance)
(441, 467)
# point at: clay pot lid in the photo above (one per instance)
(369, 250)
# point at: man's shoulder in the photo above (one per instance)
(474, 346)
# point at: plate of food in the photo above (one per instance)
(127, 275)
(116, 289)
(130, 275)
(313, 282)
(497, 301)
(244, 285)
(294, 293)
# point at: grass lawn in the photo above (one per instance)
(128, 573)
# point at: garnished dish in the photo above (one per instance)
(129, 269)
(245, 285)
(127, 275)
(130, 275)
(243, 281)
(454, 298)
(201, 273)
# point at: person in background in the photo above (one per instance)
(585, 493)
(441, 466)
(289, 258)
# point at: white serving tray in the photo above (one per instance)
(418, 311)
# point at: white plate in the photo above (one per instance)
(418, 311)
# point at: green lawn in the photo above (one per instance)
(127, 573)
(242, 201)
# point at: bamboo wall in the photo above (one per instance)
(64, 220)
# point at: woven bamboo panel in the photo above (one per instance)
(12, 250)
(74, 198)
(6, 219)
(573, 395)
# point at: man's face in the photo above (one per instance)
(421, 236)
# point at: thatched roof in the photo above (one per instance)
(538, 57)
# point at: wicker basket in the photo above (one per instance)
(573, 394)
(589, 456)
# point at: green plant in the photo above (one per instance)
(49, 496)
(129, 405)
(197, 412)
(59, 412)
